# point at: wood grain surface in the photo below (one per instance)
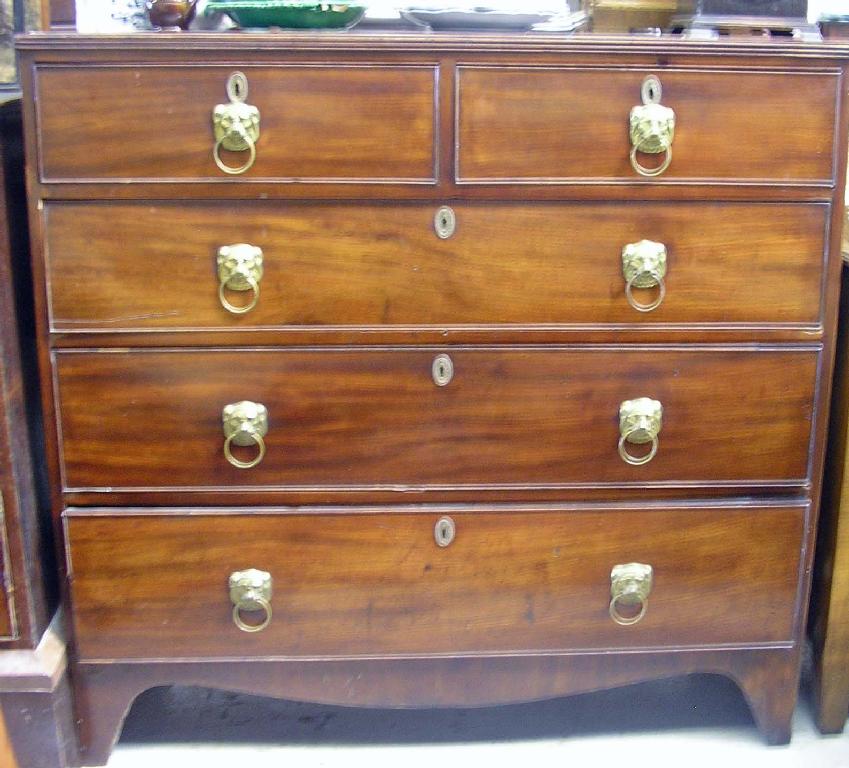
(542, 125)
(353, 418)
(382, 265)
(829, 623)
(317, 122)
(27, 581)
(377, 584)
(766, 677)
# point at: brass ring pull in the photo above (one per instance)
(622, 620)
(264, 605)
(652, 276)
(651, 172)
(232, 308)
(235, 171)
(636, 461)
(251, 590)
(630, 586)
(240, 268)
(245, 423)
(652, 128)
(236, 125)
(239, 464)
(640, 422)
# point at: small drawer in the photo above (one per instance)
(316, 123)
(365, 266)
(390, 583)
(549, 125)
(470, 418)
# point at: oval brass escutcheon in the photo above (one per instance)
(445, 222)
(443, 370)
(444, 531)
(237, 87)
(652, 90)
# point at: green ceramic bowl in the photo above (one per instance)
(288, 14)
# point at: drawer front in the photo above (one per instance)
(545, 124)
(330, 265)
(377, 584)
(353, 419)
(318, 123)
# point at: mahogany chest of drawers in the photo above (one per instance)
(426, 370)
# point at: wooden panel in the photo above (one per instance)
(317, 122)
(352, 584)
(58, 13)
(349, 418)
(829, 625)
(546, 124)
(27, 573)
(383, 265)
(7, 627)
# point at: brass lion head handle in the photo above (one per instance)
(640, 422)
(250, 591)
(239, 269)
(245, 423)
(652, 129)
(644, 266)
(630, 586)
(235, 126)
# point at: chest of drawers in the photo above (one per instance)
(400, 371)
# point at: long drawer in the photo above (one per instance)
(548, 124)
(368, 583)
(353, 419)
(372, 265)
(322, 123)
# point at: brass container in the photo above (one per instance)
(628, 15)
(171, 13)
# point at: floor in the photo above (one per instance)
(692, 722)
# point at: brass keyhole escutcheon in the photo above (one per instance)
(237, 87)
(652, 90)
(444, 531)
(445, 222)
(442, 370)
